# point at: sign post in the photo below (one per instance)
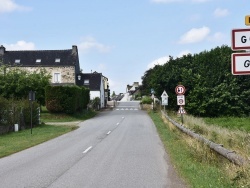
(164, 99)
(31, 99)
(180, 90)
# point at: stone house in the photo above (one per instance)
(63, 65)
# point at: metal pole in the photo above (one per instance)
(31, 117)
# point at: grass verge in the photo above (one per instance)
(61, 117)
(17, 141)
(195, 162)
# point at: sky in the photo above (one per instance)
(121, 39)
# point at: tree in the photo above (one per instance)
(16, 83)
(211, 89)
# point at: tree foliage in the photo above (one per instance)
(211, 89)
(16, 83)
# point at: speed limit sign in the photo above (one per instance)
(180, 90)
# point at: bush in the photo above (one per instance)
(5, 118)
(67, 99)
(17, 111)
(146, 100)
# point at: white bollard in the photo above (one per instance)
(16, 127)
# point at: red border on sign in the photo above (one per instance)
(233, 64)
(184, 90)
(233, 47)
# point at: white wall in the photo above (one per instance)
(100, 94)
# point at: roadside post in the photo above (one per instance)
(152, 97)
(164, 99)
(180, 91)
(31, 99)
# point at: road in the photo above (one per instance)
(115, 149)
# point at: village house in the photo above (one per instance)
(63, 65)
(97, 84)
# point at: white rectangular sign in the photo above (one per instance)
(240, 39)
(180, 99)
(240, 63)
(164, 101)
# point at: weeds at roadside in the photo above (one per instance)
(204, 167)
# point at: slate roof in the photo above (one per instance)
(68, 57)
(94, 80)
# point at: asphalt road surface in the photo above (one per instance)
(115, 149)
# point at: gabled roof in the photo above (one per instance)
(36, 58)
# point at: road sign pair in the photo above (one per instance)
(240, 62)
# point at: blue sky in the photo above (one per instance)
(121, 38)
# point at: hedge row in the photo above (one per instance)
(67, 99)
(17, 112)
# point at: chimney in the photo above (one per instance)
(74, 50)
(2, 50)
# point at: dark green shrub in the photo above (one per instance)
(5, 117)
(67, 99)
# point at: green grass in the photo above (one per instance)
(17, 141)
(61, 117)
(230, 122)
(196, 168)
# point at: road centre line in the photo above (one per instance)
(86, 150)
(108, 132)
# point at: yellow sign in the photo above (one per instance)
(247, 20)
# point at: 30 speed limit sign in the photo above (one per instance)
(180, 90)
(180, 100)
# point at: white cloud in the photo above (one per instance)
(221, 12)
(89, 43)
(194, 35)
(10, 5)
(20, 45)
(160, 61)
(217, 37)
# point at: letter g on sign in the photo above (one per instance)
(243, 39)
(247, 63)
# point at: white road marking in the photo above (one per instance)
(86, 150)
(122, 117)
(108, 132)
(117, 123)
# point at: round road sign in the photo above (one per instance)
(180, 90)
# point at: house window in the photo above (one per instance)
(38, 60)
(57, 60)
(57, 77)
(86, 82)
(17, 61)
